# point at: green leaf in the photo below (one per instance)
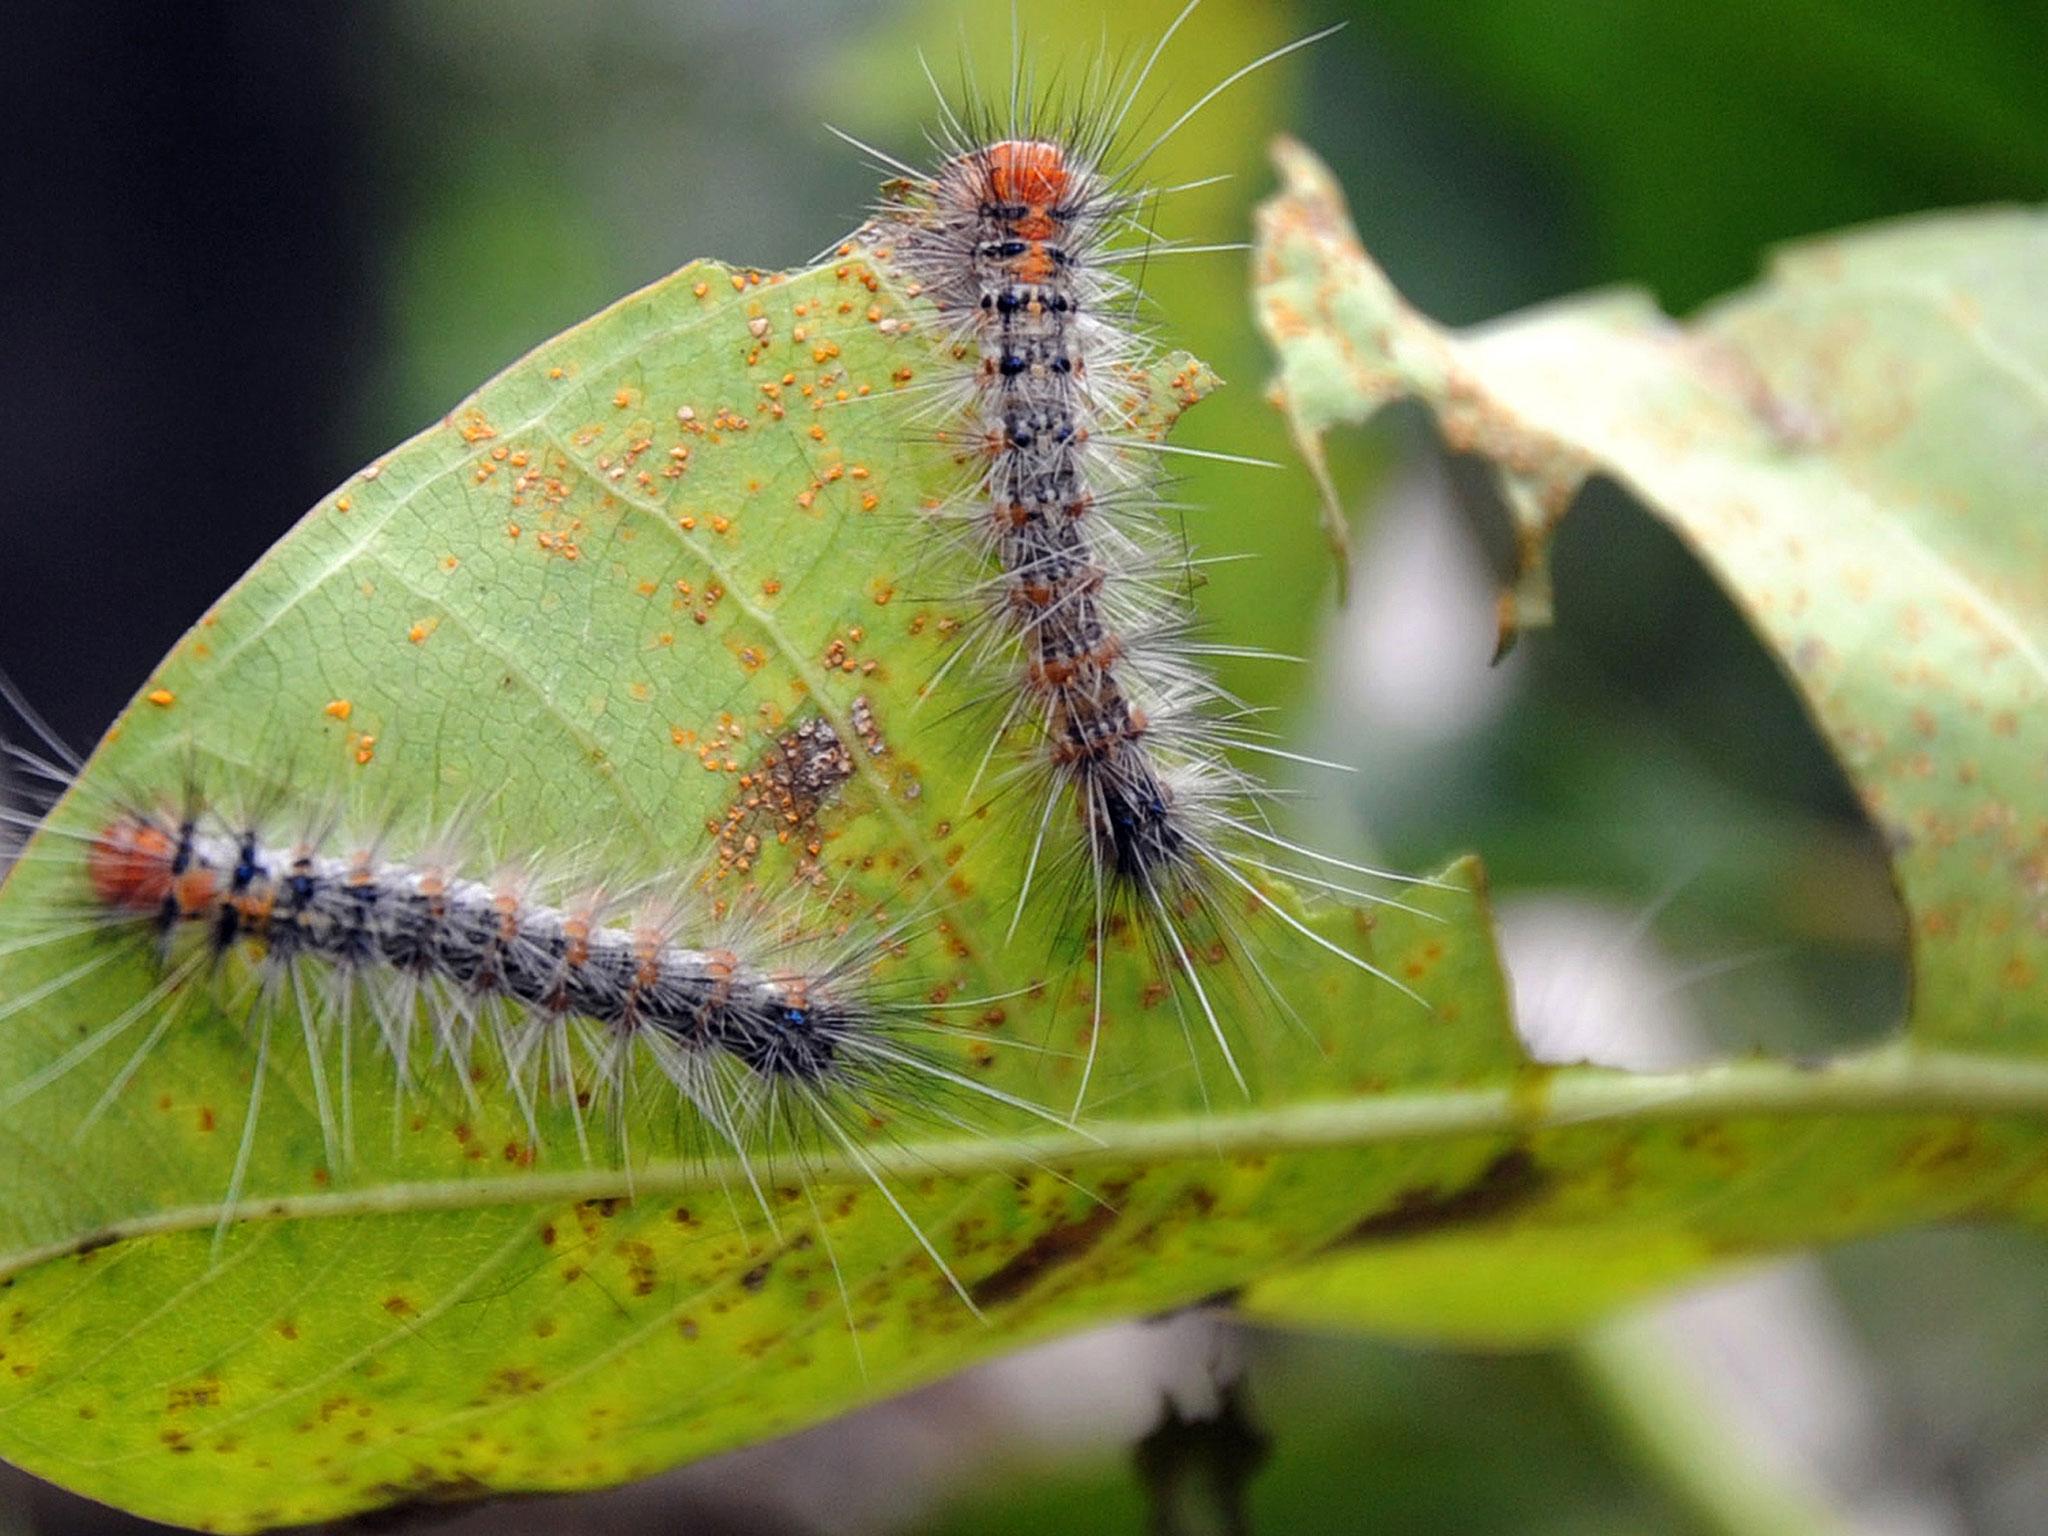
(438, 1316)
(1854, 448)
(582, 609)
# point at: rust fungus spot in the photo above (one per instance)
(865, 727)
(778, 799)
(162, 698)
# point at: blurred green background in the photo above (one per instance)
(1681, 869)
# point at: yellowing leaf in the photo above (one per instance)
(583, 610)
(1857, 448)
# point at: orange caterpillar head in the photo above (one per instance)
(1028, 171)
(129, 864)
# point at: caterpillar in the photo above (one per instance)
(775, 1038)
(1018, 236)
(1089, 639)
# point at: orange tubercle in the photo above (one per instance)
(196, 890)
(1029, 171)
(1035, 265)
(129, 864)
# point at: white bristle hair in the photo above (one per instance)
(1087, 643)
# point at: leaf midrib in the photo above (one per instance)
(1892, 1079)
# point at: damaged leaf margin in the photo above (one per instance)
(1856, 448)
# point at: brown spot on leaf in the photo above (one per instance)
(779, 799)
(1059, 1244)
(1511, 1182)
(199, 1394)
(424, 1489)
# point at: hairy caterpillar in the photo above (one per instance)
(776, 1037)
(1086, 588)
(1019, 236)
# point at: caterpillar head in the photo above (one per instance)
(1028, 171)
